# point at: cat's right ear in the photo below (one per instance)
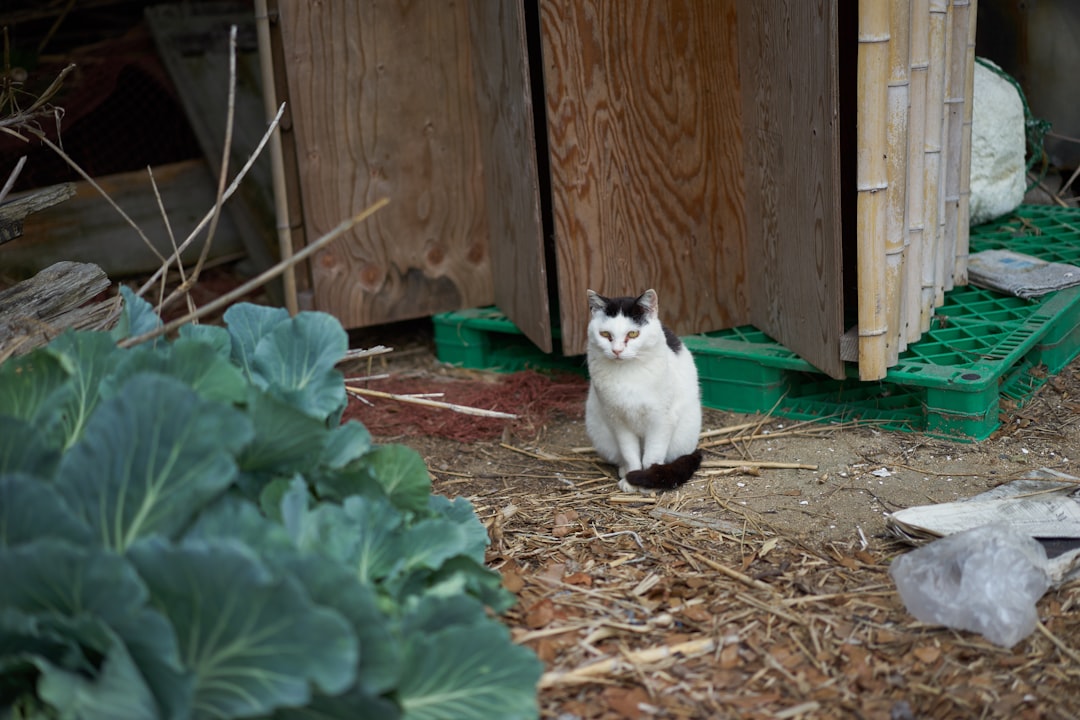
(597, 302)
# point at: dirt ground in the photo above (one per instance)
(752, 592)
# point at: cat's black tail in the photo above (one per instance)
(667, 476)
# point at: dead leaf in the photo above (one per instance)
(927, 654)
(626, 701)
(540, 614)
(578, 578)
(512, 580)
(729, 657)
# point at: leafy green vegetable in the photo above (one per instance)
(186, 531)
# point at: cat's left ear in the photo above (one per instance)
(597, 302)
(650, 302)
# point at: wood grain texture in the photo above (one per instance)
(39, 308)
(87, 229)
(383, 105)
(788, 54)
(643, 110)
(511, 190)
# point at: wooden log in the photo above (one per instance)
(932, 142)
(896, 235)
(872, 183)
(14, 212)
(36, 310)
(963, 215)
(919, 48)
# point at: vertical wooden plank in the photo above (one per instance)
(511, 188)
(788, 54)
(383, 105)
(646, 158)
(872, 181)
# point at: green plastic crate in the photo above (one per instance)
(982, 346)
(484, 338)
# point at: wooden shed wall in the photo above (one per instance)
(645, 136)
(381, 96)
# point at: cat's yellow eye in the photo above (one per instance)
(605, 334)
(632, 334)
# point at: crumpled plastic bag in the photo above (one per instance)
(986, 580)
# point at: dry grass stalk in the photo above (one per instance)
(872, 183)
(239, 292)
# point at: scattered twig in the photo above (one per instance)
(774, 465)
(250, 285)
(609, 666)
(416, 400)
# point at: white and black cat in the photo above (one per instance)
(643, 413)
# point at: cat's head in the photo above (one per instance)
(623, 327)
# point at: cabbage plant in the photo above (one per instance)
(187, 530)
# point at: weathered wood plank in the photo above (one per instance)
(383, 105)
(512, 193)
(646, 158)
(38, 309)
(788, 52)
(14, 212)
(87, 229)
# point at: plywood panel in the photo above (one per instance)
(505, 110)
(646, 157)
(788, 51)
(383, 105)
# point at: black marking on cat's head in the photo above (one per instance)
(673, 341)
(639, 309)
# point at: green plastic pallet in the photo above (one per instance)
(982, 346)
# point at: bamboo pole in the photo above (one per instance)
(954, 124)
(919, 50)
(935, 93)
(946, 240)
(896, 235)
(963, 215)
(872, 182)
(277, 162)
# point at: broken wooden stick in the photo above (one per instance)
(463, 409)
(757, 464)
(607, 666)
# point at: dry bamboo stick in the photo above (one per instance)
(946, 240)
(608, 666)
(963, 215)
(269, 274)
(417, 400)
(872, 182)
(955, 97)
(896, 235)
(768, 464)
(919, 49)
(935, 93)
(277, 162)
